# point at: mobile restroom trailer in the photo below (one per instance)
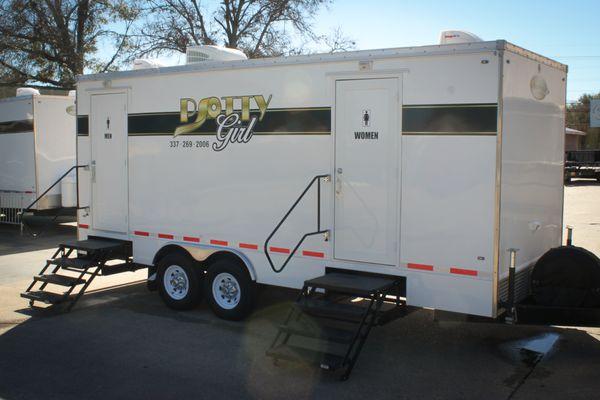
(37, 145)
(423, 163)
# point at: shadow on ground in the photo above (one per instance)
(124, 343)
(49, 234)
(583, 182)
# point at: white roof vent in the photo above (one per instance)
(196, 54)
(27, 91)
(458, 37)
(143, 63)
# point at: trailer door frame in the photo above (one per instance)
(109, 164)
(385, 230)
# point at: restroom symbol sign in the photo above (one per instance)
(366, 118)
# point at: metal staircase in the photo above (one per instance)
(74, 266)
(333, 316)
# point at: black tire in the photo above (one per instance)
(567, 276)
(245, 286)
(192, 274)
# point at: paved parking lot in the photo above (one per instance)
(122, 342)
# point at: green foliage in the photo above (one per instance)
(52, 41)
(578, 117)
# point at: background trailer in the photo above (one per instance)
(427, 163)
(37, 145)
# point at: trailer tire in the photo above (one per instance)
(567, 276)
(179, 281)
(230, 291)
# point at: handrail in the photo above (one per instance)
(28, 208)
(317, 232)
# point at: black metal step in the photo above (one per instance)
(93, 245)
(75, 263)
(321, 332)
(45, 297)
(327, 361)
(327, 309)
(358, 285)
(61, 280)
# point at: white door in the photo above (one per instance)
(108, 132)
(367, 130)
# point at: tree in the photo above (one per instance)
(578, 117)
(260, 28)
(52, 41)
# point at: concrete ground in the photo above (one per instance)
(121, 342)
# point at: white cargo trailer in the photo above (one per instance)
(37, 145)
(372, 180)
(424, 163)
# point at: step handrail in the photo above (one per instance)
(319, 231)
(34, 202)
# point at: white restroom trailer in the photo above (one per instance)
(37, 146)
(426, 163)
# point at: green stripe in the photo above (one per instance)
(213, 134)
(465, 105)
(82, 125)
(25, 125)
(450, 119)
(449, 133)
(417, 119)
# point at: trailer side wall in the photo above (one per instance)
(532, 164)
(54, 144)
(185, 193)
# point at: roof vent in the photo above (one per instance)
(144, 63)
(27, 91)
(458, 37)
(196, 54)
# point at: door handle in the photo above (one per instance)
(338, 181)
(93, 168)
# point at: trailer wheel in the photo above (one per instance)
(230, 291)
(567, 276)
(179, 282)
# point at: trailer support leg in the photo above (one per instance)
(511, 316)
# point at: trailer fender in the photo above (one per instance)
(202, 253)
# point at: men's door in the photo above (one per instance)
(367, 115)
(108, 134)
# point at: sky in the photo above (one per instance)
(567, 30)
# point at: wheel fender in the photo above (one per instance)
(200, 252)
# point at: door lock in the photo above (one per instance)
(338, 181)
(93, 168)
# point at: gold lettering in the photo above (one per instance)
(262, 105)
(228, 104)
(212, 107)
(185, 109)
(245, 108)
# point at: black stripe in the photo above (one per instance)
(434, 119)
(283, 121)
(460, 118)
(82, 125)
(25, 125)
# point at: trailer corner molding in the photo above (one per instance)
(230, 125)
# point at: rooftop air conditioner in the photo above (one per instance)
(457, 37)
(196, 54)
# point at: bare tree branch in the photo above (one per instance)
(258, 27)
